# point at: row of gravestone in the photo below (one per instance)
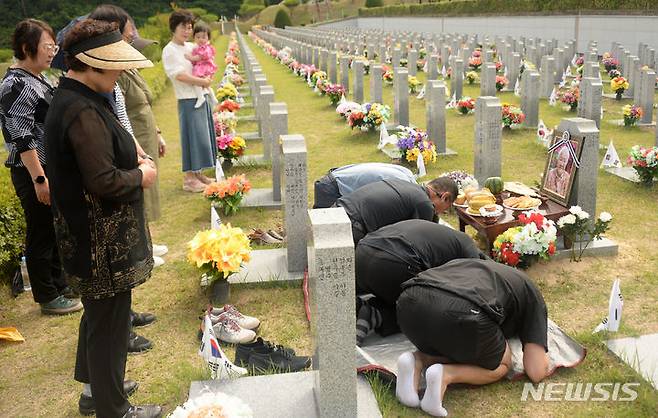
(533, 87)
(319, 240)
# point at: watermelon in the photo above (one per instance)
(495, 184)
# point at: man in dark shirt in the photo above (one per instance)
(462, 313)
(386, 202)
(394, 254)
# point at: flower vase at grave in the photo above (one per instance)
(227, 164)
(619, 94)
(220, 292)
(573, 107)
(568, 242)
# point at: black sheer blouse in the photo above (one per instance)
(96, 194)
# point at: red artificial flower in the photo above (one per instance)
(551, 248)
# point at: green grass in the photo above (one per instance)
(37, 374)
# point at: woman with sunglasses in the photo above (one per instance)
(25, 96)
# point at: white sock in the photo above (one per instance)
(432, 402)
(86, 389)
(405, 389)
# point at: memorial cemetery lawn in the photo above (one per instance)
(36, 377)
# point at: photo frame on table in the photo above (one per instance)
(561, 166)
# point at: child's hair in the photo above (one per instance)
(201, 26)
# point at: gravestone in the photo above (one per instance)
(457, 79)
(382, 53)
(316, 57)
(633, 76)
(265, 97)
(401, 99)
(513, 71)
(435, 113)
(488, 56)
(295, 181)
(646, 91)
(331, 279)
(488, 135)
(277, 126)
(530, 98)
(412, 58)
(488, 80)
(589, 105)
(345, 72)
(376, 94)
(357, 94)
(547, 76)
(445, 55)
(592, 69)
(433, 67)
(333, 73)
(397, 54)
(324, 60)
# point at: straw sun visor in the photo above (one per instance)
(109, 52)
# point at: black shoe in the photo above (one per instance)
(141, 319)
(143, 411)
(138, 344)
(263, 357)
(86, 403)
(69, 293)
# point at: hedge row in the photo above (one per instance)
(480, 7)
(12, 224)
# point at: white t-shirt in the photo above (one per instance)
(174, 61)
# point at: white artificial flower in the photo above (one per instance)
(566, 220)
(575, 210)
(583, 215)
(605, 217)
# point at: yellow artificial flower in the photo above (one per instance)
(412, 154)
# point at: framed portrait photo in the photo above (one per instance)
(561, 169)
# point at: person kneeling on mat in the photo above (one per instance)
(459, 316)
(344, 180)
(386, 202)
(394, 254)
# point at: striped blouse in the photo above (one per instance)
(24, 102)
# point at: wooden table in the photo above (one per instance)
(505, 220)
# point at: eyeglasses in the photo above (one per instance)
(51, 48)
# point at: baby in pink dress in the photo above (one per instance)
(203, 62)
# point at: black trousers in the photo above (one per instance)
(381, 274)
(102, 352)
(41, 253)
(326, 192)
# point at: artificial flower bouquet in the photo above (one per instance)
(645, 162)
(465, 105)
(227, 194)
(224, 122)
(236, 79)
(228, 105)
(317, 76)
(230, 146)
(475, 63)
(501, 82)
(577, 228)
(227, 91)
(403, 62)
(472, 77)
(609, 62)
(346, 108)
(414, 143)
(523, 245)
(619, 84)
(232, 59)
(632, 113)
(512, 116)
(376, 114)
(413, 83)
(219, 252)
(334, 92)
(387, 76)
(571, 97)
(462, 179)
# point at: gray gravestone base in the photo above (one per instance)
(604, 247)
(627, 173)
(247, 118)
(251, 160)
(283, 395)
(261, 198)
(640, 353)
(250, 136)
(620, 122)
(266, 266)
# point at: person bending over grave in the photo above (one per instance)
(394, 254)
(386, 202)
(344, 180)
(459, 316)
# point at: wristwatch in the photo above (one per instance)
(40, 180)
(146, 157)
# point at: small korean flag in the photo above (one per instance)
(552, 100)
(420, 164)
(444, 73)
(615, 308)
(611, 158)
(517, 88)
(421, 94)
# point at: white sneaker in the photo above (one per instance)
(245, 321)
(160, 250)
(227, 330)
(157, 261)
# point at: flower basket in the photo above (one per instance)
(632, 113)
(645, 163)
